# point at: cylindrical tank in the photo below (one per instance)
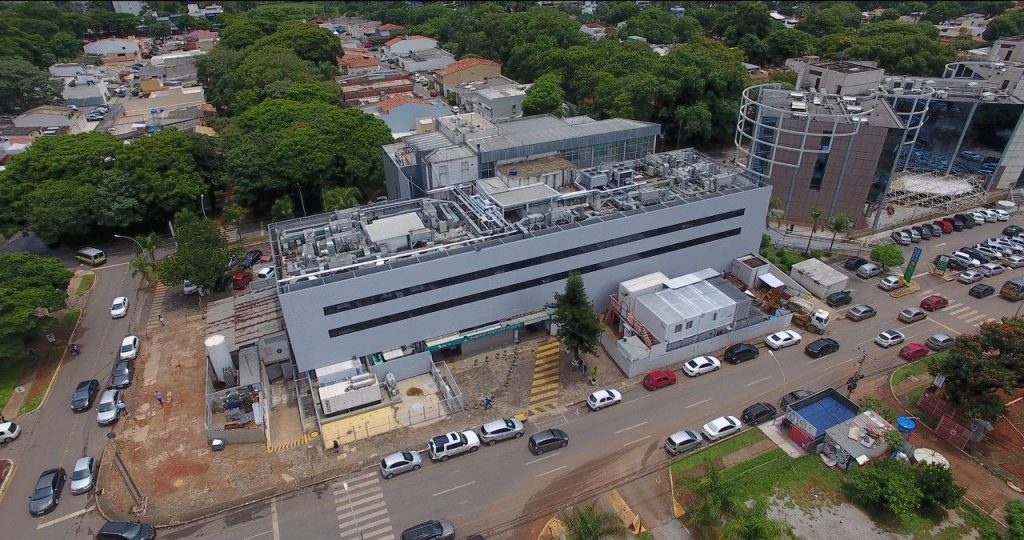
(219, 354)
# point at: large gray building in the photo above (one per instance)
(392, 282)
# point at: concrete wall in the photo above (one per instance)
(405, 367)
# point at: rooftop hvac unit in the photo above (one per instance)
(854, 108)
(593, 178)
(622, 175)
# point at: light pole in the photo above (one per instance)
(142, 249)
(202, 203)
(351, 509)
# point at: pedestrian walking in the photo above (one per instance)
(159, 397)
(121, 407)
(161, 319)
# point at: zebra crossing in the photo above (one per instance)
(961, 311)
(362, 511)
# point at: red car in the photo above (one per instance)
(913, 351)
(934, 302)
(658, 379)
(241, 280)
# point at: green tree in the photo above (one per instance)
(30, 287)
(202, 256)
(23, 86)
(147, 268)
(283, 208)
(232, 215)
(943, 11)
(544, 97)
(588, 523)
(744, 19)
(578, 325)
(937, 486)
(616, 11)
(340, 198)
(160, 29)
(839, 224)
(786, 43)
(1015, 519)
(888, 484)
(307, 41)
(888, 256)
(610, 98)
(240, 34)
(752, 524)
(816, 215)
(714, 498)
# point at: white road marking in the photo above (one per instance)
(273, 519)
(645, 396)
(65, 518)
(976, 318)
(758, 381)
(543, 458)
(551, 471)
(940, 245)
(698, 403)
(463, 502)
(636, 441)
(257, 535)
(961, 310)
(449, 490)
(625, 429)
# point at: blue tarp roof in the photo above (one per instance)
(825, 413)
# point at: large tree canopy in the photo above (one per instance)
(28, 284)
(979, 365)
(23, 86)
(912, 49)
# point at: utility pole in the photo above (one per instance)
(851, 383)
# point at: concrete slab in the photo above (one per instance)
(780, 439)
(651, 498)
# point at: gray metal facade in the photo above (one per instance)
(726, 224)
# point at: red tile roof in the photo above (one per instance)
(393, 41)
(358, 58)
(465, 63)
(593, 25)
(388, 104)
(390, 27)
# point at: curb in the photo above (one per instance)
(7, 480)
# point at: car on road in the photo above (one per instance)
(860, 312)
(251, 258)
(107, 411)
(499, 430)
(119, 308)
(603, 398)
(549, 439)
(1014, 261)
(46, 494)
(939, 342)
(84, 395)
(740, 352)
(721, 427)
(969, 276)
(782, 339)
(452, 444)
(821, 347)
(913, 351)
(868, 271)
(991, 269)
(853, 263)
(934, 302)
(121, 375)
(83, 476)
(839, 298)
(682, 441)
(793, 397)
(981, 290)
(912, 315)
(8, 432)
(400, 462)
(701, 365)
(266, 272)
(890, 283)
(129, 348)
(659, 379)
(435, 529)
(759, 413)
(888, 338)
(126, 530)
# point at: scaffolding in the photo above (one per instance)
(929, 190)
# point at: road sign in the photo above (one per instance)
(942, 264)
(914, 257)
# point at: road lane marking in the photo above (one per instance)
(625, 429)
(940, 245)
(543, 458)
(552, 470)
(698, 403)
(636, 441)
(273, 519)
(976, 318)
(645, 396)
(85, 510)
(463, 502)
(257, 535)
(449, 490)
(758, 381)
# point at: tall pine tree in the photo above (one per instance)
(578, 325)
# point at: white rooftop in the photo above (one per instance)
(819, 271)
(393, 227)
(673, 306)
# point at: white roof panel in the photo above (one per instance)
(393, 227)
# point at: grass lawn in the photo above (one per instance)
(36, 391)
(86, 283)
(716, 451)
(10, 375)
(916, 369)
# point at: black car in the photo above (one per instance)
(121, 376)
(821, 347)
(758, 413)
(957, 224)
(981, 290)
(85, 394)
(853, 263)
(840, 298)
(126, 530)
(982, 258)
(924, 232)
(968, 222)
(952, 264)
(1012, 230)
(46, 495)
(251, 258)
(435, 529)
(548, 439)
(740, 352)
(793, 397)
(221, 284)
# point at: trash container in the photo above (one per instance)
(217, 445)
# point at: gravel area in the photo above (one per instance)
(843, 521)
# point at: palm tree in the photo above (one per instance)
(752, 524)
(714, 498)
(816, 214)
(145, 266)
(775, 209)
(587, 523)
(148, 243)
(340, 198)
(839, 224)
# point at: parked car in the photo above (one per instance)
(603, 398)
(1012, 230)
(119, 308)
(129, 348)
(968, 260)
(435, 529)
(982, 258)
(721, 427)
(981, 290)
(793, 397)
(500, 430)
(188, 287)
(740, 352)
(913, 351)
(701, 365)
(681, 442)
(121, 375)
(936, 229)
(853, 263)
(266, 272)
(914, 236)
(888, 338)
(890, 283)
(868, 271)
(241, 280)
(934, 302)
(821, 347)
(945, 226)
(782, 339)
(924, 233)
(1014, 261)
(251, 258)
(549, 439)
(107, 411)
(912, 315)
(971, 156)
(46, 495)
(9, 431)
(84, 395)
(400, 462)
(901, 238)
(452, 444)
(992, 253)
(759, 413)
(659, 379)
(126, 530)
(839, 298)
(939, 342)
(860, 312)
(83, 476)
(991, 269)
(969, 276)
(955, 224)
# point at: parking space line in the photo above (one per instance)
(551, 471)
(65, 518)
(976, 318)
(961, 310)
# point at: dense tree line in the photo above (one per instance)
(28, 284)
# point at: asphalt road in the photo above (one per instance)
(500, 484)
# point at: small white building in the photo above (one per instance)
(818, 278)
(426, 60)
(403, 45)
(112, 46)
(594, 30)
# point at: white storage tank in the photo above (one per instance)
(219, 353)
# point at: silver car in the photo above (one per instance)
(83, 478)
(499, 430)
(107, 411)
(400, 462)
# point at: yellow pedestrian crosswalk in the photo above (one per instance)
(156, 310)
(961, 311)
(544, 391)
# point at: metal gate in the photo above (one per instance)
(947, 427)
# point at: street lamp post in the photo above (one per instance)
(142, 249)
(202, 203)
(352, 510)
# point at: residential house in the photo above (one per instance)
(374, 87)
(467, 94)
(972, 25)
(502, 102)
(204, 40)
(84, 85)
(12, 146)
(403, 114)
(358, 61)
(426, 60)
(788, 22)
(209, 11)
(178, 108)
(466, 70)
(404, 45)
(52, 118)
(113, 47)
(594, 30)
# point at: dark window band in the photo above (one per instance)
(455, 302)
(526, 263)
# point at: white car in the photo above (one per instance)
(1001, 215)
(9, 431)
(188, 287)
(106, 411)
(991, 269)
(452, 444)
(129, 348)
(969, 276)
(1015, 261)
(701, 365)
(889, 338)
(603, 398)
(721, 427)
(889, 283)
(119, 308)
(782, 339)
(266, 272)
